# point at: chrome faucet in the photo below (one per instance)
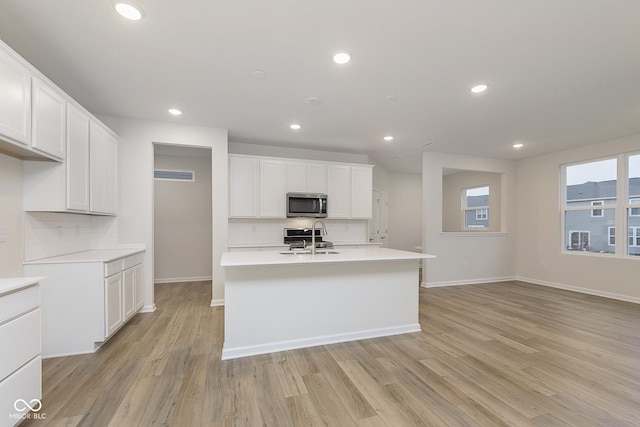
(313, 234)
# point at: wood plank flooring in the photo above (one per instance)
(489, 355)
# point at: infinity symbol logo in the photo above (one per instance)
(20, 405)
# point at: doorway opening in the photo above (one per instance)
(182, 224)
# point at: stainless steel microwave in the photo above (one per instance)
(312, 205)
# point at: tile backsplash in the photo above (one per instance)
(48, 234)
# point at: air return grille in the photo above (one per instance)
(174, 175)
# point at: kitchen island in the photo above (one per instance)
(280, 301)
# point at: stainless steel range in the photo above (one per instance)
(300, 238)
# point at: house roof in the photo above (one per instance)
(591, 190)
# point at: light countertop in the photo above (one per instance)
(282, 245)
(15, 284)
(96, 255)
(256, 258)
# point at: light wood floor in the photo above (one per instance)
(489, 355)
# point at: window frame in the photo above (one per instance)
(593, 211)
(475, 209)
(622, 209)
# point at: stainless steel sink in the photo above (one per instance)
(318, 252)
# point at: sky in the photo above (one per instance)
(603, 170)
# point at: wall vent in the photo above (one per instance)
(174, 175)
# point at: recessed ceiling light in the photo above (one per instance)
(128, 11)
(174, 111)
(518, 145)
(259, 74)
(388, 138)
(341, 57)
(295, 126)
(479, 88)
(392, 97)
(313, 100)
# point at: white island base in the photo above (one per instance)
(315, 300)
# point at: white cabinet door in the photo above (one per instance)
(129, 292)
(272, 189)
(139, 291)
(338, 191)
(296, 177)
(15, 99)
(103, 149)
(77, 159)
(243, 187)
(48, 120)
(317, 178)
(361, 191)
(113, 304)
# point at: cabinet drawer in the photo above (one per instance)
(25, 384)
(113, 267)
(132, 260)
(16, 303)
(23, 334)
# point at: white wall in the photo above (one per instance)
(467, 257)
(405, 211)
(540, 259)
(182, 220)
(11, 216)
(135, 198)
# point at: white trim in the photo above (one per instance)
(467, 282)
(478, 233)
(183, 279)
(148, 309)
(581, 290)
(217, 302)
(232, 353)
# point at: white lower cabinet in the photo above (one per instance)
(20, 361)
(86, 303)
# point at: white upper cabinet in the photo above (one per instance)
(306, 177)
(317, 178)
(272, 189)
(77, 159)
(361, 191)
(243, 187)
(15, 100)
(48, 120)
(103, 170)
(338, 191)
(258, 186)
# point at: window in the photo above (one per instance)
(612, 236)
(593, 192)
(475, 206)
(597, 212)
(482, 214)
(634, 237)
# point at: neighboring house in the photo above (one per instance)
(594, 230)
(477, 212)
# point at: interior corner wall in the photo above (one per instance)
(135, 187)
(539, 248)
(11, 251)
(182, 220)
(473, 257)
(404, 218)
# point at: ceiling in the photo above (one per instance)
(561, 73)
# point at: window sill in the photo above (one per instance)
(474, 233)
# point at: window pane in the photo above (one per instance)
(586, 233)
(588, 182)
(634, 179)
(475, 197)
(633, 237)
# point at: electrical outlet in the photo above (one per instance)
(3, 234)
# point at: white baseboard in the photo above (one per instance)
(580, 289)
(217, 302)
(467, 282)
(183, 279)
(232, 353)
(147, 309)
